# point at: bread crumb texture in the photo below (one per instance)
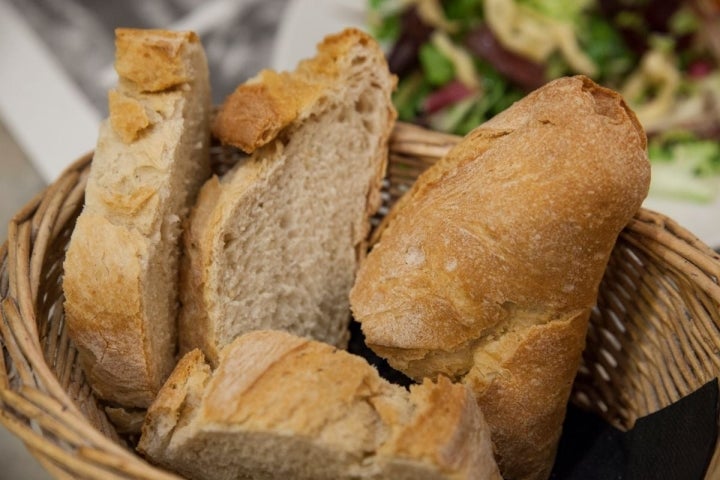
(275, 243)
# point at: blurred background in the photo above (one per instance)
(237, 35)
(60, 54)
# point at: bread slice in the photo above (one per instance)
(276, 242)
(280, 406)
(121, 268)
(490, 265)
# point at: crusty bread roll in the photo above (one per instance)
(121, 267)
(275, 242)
(490, 265)
(284, 407)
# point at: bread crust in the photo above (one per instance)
(259, 109)
(153, 59)
(491, 263)
(120, 270)
(301, 394)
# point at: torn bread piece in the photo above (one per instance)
(121, 268)
(275, 243)
(490, 265)
(280, 406)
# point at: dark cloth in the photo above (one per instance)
(675, 443)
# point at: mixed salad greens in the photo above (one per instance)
(460, 62)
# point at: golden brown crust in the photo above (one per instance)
(127, 116)
(509, 233)
(258, 110)
(546, 355)
(152, 59)
(114, 330)
(302, 396)
(294, 372)
(255, 113)
(511, 200)
(121, 265)
(167, 407)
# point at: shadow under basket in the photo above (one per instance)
(654, 335)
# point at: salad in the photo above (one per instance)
(460, 62)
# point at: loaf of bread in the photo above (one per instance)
(121, 268)
(275, 243)
(284, 407)
(490, 265)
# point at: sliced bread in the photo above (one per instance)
(121, 268)
(275, 243)
(280, 406)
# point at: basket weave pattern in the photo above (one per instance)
(654, 336)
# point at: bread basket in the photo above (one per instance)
(655, 333)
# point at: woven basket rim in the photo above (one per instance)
(36, 408)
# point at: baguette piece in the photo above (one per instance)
(276, 242)
(489, 266)
(121, 267)
(280, 406)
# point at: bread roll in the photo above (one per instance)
(275, 243)
(121, 268)
(490, 265)
(280, 406)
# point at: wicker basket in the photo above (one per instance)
(655, 333)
